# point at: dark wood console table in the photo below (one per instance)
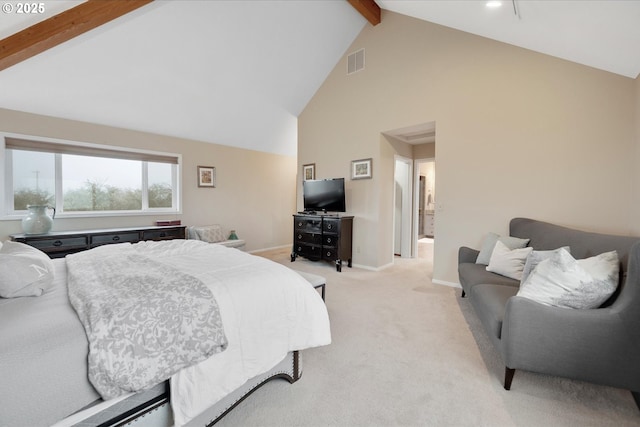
(323, 237)
(58, 244)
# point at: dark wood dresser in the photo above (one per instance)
(58, 244)
(323, 237)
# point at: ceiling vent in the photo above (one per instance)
(355, 62)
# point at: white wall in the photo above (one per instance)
(254, 194)
(518, 134)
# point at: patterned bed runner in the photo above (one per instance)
(144, 320)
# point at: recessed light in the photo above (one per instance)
(494, 4)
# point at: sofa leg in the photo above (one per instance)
(508, 377)
(462, 294)
(636, 397)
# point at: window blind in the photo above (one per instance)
(87, 150)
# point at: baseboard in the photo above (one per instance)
(370, 268)
(445, 283)
(268, 249)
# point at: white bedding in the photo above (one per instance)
(267, 310)
(43, 350)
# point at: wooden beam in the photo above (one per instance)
(367, 8)
(62, 27)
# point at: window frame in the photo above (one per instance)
(6, 179)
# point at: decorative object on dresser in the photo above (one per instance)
(165, 222)
(62, 243)
(323, 237)
(37, 221)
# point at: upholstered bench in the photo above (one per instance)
(214, 234)
(315, 280)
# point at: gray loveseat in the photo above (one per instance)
(600, 345)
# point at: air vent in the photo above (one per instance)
(355, 62)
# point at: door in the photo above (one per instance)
(402, 207)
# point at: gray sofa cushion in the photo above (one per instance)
(473, 274)
(489, 302)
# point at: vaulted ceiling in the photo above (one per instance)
(603, 34)
(240, 72)
(229, 72)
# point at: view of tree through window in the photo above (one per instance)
(160, 192)
(89, 183)
(100, 184)
(34, 179)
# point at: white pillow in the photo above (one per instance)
(508, 262)
(561, 281)
(489, 243)
(535, 258)
(24, 270)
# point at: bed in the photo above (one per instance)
(268, 313)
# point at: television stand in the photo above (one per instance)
(323, 237)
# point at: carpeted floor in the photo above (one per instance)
(406, 352)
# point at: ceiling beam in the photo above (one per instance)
(61, 28)
(367, 8)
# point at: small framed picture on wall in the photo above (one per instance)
(309, 171)
(206, 176)
(361, 169)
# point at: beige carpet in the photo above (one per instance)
(406, 352)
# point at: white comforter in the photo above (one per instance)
(267, 310)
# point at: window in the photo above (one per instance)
(85, 179)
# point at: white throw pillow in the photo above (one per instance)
(562, 281)
(508, 262)
(489, 243)
(24, 270)
(535, 258)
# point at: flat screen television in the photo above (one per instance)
(326, 195)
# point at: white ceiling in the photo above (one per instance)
(240, 72)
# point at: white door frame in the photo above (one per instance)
(407, 233)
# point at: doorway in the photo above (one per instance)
(425, 203)
(413, 146)
(403, 224)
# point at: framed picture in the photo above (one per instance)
(309, 171)
(206, 176)
(361, 169)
